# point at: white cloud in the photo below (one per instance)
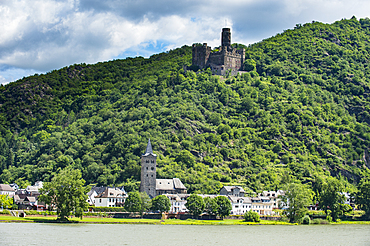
(42, 35)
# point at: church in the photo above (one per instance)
(149, 182)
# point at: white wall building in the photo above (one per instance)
(240, 205)
(262, 205)
(110, 197)
(178, 202)
(5, 189)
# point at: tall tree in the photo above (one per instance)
(195, 205)
(133, 202)
(161, 203)
(296, 197)
(211, 206)
(66, 192)
(146, 202)
(332, 198)
(363, 197)
(224, 206)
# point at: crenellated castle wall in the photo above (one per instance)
(225, 59)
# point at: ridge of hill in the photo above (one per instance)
(300, 113)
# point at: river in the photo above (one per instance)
(131, 234)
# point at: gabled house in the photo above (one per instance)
(232, 191)
(5, 189)
(262, 205)
(178, 202)
(170, 186)
(240, 205)
(95, 191)
(111, 197)
(274, 197)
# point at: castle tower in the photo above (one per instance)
(226, 37)
(148, 171)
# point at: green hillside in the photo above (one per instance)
(300, 113)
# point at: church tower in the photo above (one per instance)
(148, 171)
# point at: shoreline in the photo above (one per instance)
(96, 220)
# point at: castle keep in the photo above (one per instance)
(226, 58)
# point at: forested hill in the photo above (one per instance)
(301, 113)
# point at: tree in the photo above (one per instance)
(251, 216)
(297, 197)
(332, 198)
(133, 202)
(146, 202)
(161, 203)
(224, 206)
(195, 205)
(66, 192)
(6, 201)
(363, 197)
(211, 206)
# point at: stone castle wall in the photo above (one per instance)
(225, 59)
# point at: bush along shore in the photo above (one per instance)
(314, 218)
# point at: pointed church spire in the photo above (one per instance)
(149, 149)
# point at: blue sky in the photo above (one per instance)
(42, 35)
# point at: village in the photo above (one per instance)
(264, 204)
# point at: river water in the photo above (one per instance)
(130, 234)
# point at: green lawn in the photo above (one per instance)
(103, 220)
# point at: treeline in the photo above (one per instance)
(299, 114)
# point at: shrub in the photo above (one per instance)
(306, 220)
(5, 211)
(329, 218)
(251, 216)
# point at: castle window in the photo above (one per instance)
(152, 175)
(147, 161)
(152, 168)
(147, 175)
(146, 168)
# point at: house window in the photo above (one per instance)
(147, 168)
(100, 200)
(147, 161)
(152, 161)
(152, 168)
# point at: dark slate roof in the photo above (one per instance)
(149, 150)
(97, 189)
(230, 188)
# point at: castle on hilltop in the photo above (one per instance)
(226, 58)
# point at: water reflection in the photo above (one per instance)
(123, 234)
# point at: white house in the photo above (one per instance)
(232, 191)
(93, 193)
(178, 202)
(240, 205)
(110, 197)
(274, 197)
(262, 205)
(5, 189)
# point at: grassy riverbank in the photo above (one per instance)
(98, 220)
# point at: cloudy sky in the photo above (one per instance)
(37, 36)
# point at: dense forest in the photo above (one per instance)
(300, 112)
